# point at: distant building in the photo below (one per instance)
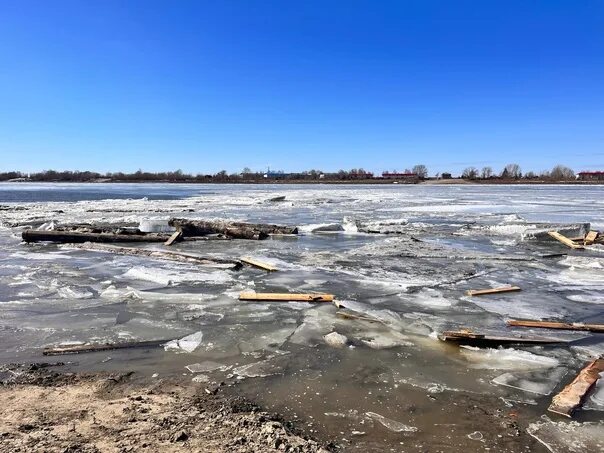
(404, 176)
(591, 176)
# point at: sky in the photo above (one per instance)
(204, 86)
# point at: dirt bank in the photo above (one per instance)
(43, 410)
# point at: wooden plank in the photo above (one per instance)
(591, 237)
(259, 264)
(176, 236)
(467, 337)
(91, 347)
(480, 292)
(286, 297)
(556, 325)
(571, 397)
(566, 241)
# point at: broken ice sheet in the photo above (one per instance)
(390, 424)
(541, 382)
(186, 344)
(207, 366)
(569, 437)
(264, 368)
(596, 396)
(505, 359)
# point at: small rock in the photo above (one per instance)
(336, 340)
(179, 436)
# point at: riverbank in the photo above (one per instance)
(43, 410)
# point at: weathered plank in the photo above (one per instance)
(175, 236)
(91, 347)
(480, 292)
(556, 325)
(259, 264)
(286, 297)
(72, 237)
(566, 241)
(591, 237)
(467, 337)
(571, 397)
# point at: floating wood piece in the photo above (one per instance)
(72, 237)
(566, 241)
(160, 254)
(235, 230)
(286, 297)
(556, 325)
(277, 199)
(259, 264)
(176, 236)
(480, 292)
(467, 337)
(80, 348)
(591, 237)
(571, 397)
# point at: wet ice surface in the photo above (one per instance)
(408, 283)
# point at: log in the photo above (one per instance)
(161, 255)
(480, 292)
(72, 237)
(556, 325)
(259, 264)
(286, 297)
(571, 397)
(80, 348)
(566, 241)
(467, 337)
(236, 230)
(176, 236)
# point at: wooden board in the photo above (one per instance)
(571, 397)
(259, 264)
(177, 234)
(591, 237)
(81, 348)
(480, 292)
(467, 337)
(286, 297)
(566, 241)
(556, 325)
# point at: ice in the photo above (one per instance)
(569, 437)
(505, 359)
(207, 366)
(73, 292)
(264, 368)
(390, 424)
(587, 298)
(321, 228)
(336, 340)
(596, 397)
(167, 277)
(187, 344)
(384, 339)
(317, 323)
(539, 382)
(48, 256)
(155, 226)
(431, 298)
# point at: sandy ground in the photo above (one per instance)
(45, 411)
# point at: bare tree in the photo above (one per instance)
(470, 173)
(511, 171)
(561, 173)
(421, 171)
(486, 172)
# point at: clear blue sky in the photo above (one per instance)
(210, 85)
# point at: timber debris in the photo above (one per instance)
(564, 240)
(286, 297)
(556, 325)
(470, 338)
(172, 239)
(571, 397)
(161, 255)
(235, 230)
(91, 347)
(258, 264)
(76, 237)
(481, 292)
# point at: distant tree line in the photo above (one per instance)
(514, 172)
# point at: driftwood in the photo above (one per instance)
(172, 239)
(286, 297)
(556, 325)
(80, 348)
(467, 337)
(258, 264)
(78, 237)
(571, 397)
(481, 292)
(563, 239)
(162, 255)
(236, 230)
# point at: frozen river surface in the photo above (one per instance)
(402, 254)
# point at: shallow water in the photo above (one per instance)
(471, 237)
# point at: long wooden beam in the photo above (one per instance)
(566, 241)
(286, 297)
(77, 237)
(480, 292)
(259, 264)
(571, 397)
(94, 347)
(466, 337)
(556, 325)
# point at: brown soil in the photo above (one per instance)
(45, 411)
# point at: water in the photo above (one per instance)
(473, 236)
